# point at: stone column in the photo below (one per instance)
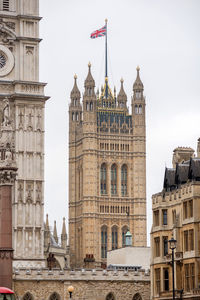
(7, 178)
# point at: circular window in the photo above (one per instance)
(6, 61)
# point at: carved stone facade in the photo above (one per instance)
(107, 171)
(88, 284)
(176, 213)
(19, 84)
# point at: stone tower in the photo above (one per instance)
(19, 84)
(107, 171)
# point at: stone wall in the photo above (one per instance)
(88, 284)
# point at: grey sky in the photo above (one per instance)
(161, 36)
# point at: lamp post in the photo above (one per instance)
(70, 290)
(172, 245)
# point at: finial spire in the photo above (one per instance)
(47, 222)
(55, 232)
(138, 85)
(64, 235)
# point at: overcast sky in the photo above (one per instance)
(162, 37)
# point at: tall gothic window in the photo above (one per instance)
(124, 231)
(104, 237)
(114, 179)
(54, 296)
(28, 296)
(124, 180)
(140, 109)
(114, 237)
(103, 179)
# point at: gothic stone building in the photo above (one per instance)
(107, 171)
(176, 212)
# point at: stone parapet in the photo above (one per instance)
(80, 275)
(184, 192)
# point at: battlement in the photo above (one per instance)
(80, 275)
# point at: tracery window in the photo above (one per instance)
(28, 296)
(124, 231)
(54, 296)
(110, 296)
(124, 180)
(136, 109)
(114, 238)
(91, 106)
(114, 179)
(103, 179)
(103, 242)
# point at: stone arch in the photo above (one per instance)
(137, 296)
(110, 296)
(54, 296)
(28, 296)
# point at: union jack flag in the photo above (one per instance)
(98, 33)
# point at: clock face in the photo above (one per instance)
(6, 61)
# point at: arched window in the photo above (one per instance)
(110, 296)
(91, 106)
(140, 109)
(87, 106)
(54, 296)
(103, 179)
(124, 180)
(124, 231)
(114, 238)
(104, 237)
(136, 109)
(6, 5)
(76, 116)
(114, 179)
(137, 297)
(28, 296)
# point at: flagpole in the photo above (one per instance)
(106, 56)
(106, 62)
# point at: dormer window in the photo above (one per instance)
(138, 95)
(6, 5)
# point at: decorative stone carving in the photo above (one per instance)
(29, 192)
(39, 125)
(38, 191)
(30, 88)
(7, 175)
(6, 112)
(20, 191)
(6, 253)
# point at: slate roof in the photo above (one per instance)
(187, 171)
(194, 169)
